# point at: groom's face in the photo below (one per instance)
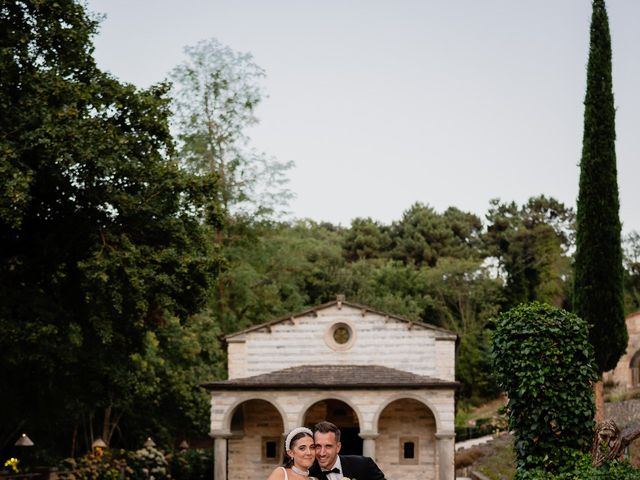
(327, 449)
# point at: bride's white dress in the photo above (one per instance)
(286, 477)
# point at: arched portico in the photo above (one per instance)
(255, 427)
(406, 444)
(371, 403)
(424, 399)
(341, 414)
(227, 416)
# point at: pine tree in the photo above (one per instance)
(598, 291)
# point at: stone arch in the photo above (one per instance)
(406, 442)
(400, 396)
(228, 415)
(256, 429)
(340, 411)
(341, 398)
(634, 369)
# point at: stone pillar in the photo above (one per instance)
(445, 445)
(369, 444)
(220, 457)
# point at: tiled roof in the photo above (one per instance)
(332, 377)
(364, 308)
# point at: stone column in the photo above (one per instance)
(369, 444)
(220, 456)
(445, 445)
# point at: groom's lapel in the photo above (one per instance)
(346, 467)
(316, 471)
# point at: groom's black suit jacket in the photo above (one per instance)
(355, 467)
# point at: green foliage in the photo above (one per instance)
(531, 244)
(598, 292)
(191, 465)
(148, 463)
(580, 468)
(216, 91)
(544, 362)
(103, 240)
(422, 235)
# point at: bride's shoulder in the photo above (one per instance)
(278, 474)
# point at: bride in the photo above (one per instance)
(300, 452)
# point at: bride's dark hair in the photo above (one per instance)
(287, 461)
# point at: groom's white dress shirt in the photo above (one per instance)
(336, 476)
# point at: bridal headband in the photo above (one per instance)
(293, 433)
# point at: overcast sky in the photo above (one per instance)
(381, 104)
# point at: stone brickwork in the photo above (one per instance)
(378, 339)
(406, 419)
(622, 374)
(245, 446)
(367, 405)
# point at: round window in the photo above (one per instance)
(340, 335)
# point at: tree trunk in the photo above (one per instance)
(597, 389)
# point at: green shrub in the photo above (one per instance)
(191, 465)
(148, 463)
(583, 470)
(102, 465)
(544, 362)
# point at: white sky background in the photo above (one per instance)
(384, 103)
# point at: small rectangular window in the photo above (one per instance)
(270, 450)
(409, 451)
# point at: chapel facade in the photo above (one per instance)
(387, 382)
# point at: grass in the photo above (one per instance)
(466, 417)
(496, 459)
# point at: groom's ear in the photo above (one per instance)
(338, 447)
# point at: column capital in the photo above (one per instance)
(445, 435)
(368, 435)
(220, 434)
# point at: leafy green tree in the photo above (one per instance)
(544, 362)
(532, 245)
(598, 292)
(102, 236)
(366, 238)
(278, 268)
(422, 235)
(216, 91)
(465, 297)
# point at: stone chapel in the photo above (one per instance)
(386, 381)
(627, 372)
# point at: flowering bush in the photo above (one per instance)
(102, 465)
(150, 463)
(12, 463)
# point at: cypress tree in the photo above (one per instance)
(598, 290)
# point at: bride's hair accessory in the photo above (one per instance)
(293, 433)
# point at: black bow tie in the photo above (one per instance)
(334, 470)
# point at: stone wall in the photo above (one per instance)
(377, 340)
(622, 373)
(406, 419)
(623, 413)
(245, 460)
(383, 415)
(292, 405)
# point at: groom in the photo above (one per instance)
(331, 466)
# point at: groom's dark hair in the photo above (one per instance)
(326, 427)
